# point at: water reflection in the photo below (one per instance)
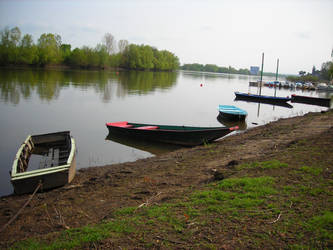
(241, 124)
(210, 75)
(47, 84)
(154, 148)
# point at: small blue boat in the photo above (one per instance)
(232, 113)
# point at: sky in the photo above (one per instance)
(223, 32)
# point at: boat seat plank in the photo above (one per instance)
(147, 127)
(55, 160)
(51, 159)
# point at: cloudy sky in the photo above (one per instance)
(221, 32)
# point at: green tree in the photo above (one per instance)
(65, 50)
(103, 56)
(49, 49)
(327, 71)
(9, 40)
(27, 50)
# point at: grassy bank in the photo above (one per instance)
(279, 199)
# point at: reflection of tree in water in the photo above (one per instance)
(47, 84)
(143, 82)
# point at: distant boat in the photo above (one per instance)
(181, 135)
(324, 102)
(324, 87)
(232, 113)
(54, 155)
(272, 99)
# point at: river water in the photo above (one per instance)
(41, 101)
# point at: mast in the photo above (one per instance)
(277, 69)
(262, 70)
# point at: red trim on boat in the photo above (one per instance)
(233, 128)
(119, 124)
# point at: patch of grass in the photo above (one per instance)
(311, 170)
(73, 238)
(322, 225)
(231, 194)
(272, 164)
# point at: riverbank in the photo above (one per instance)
(269, 187)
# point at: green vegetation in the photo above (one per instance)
(325, 74)
(252, 203)
(214, 68)
(49, 50)
(272, 164)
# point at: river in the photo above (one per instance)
(43, 101)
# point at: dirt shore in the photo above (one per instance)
(97, 191)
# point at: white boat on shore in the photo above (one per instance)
(46, 161)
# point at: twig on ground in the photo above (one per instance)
(172, 241)
(21, 209)
(148, 201)
(276, 219)
(61, 219)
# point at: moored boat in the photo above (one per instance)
(232, 113)
(181, 135)
(47, 160)
(273, 99)
(324, 102)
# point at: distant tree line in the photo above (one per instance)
(49, 50)
(325, 74)
(214, 68)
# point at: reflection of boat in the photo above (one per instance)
(324, 102)
(182, 135)
(155, 148)
(281, 104)
(255, 84)
(47, 159)
(232, 113)
(241, 124)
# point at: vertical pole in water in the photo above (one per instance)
(277, 69)
(276, 76)
(262, 70)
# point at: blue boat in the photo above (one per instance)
(232, 113)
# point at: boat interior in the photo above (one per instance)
(44, 151)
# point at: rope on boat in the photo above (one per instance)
(21, 209)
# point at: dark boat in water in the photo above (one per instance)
(47, 160)
(271, 100)
(324, 102)
(281, 104)
(181, 135)
(232, 113)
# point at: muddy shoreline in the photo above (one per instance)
(97, 191)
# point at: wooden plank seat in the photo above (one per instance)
(148, 127)
(50, 159)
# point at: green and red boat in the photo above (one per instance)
(180, 135)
